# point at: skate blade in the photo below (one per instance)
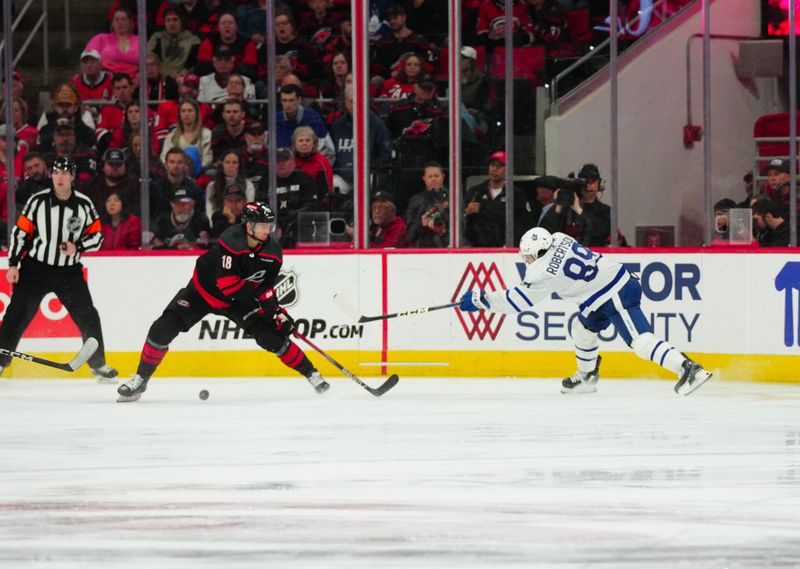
(688, 389)
(129, 398)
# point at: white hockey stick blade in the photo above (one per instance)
(86, 352)
(347, 308)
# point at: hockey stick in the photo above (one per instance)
(412, 312)
(87, 350)
(376, 391)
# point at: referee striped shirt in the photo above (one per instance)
(46, 222)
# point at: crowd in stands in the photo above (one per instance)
(206, 76)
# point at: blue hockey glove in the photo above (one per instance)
(472, 301)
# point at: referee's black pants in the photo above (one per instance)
(35, 281)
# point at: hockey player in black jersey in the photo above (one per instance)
(235, 278)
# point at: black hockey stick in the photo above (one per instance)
(87, 350)
(412, 312)
(376, 391)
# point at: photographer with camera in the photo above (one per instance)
(576, 209)
(426, 217)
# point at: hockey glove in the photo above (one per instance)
(472, 301)
(268, 302)
(284, 324)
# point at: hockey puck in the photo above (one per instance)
(203, 394)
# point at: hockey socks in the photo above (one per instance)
(295, 358)
(151, 357)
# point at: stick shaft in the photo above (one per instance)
(412, 312)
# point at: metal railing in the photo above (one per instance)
(41, 24)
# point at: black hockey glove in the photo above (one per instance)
(284, 324)
(268, 302)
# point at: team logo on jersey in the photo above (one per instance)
(481, 323)
(74, 224)
(286, 288)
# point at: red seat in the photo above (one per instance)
(579, 25)
(528, 61)
(773, 126)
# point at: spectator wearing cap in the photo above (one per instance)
(421, 105)
(408, 72)
(255, 155)
(230, 175)
(122, 229)
(183, 228)
(167, 112)
(175, 45)
(160, 86)
(296, 192)
(474, 85)
(491, 26)
(233, 203)
(66, 106)
(177, 176)
(485, 222)
(230, 134)
(585, 217)
(770, 220)
(401, 40)
(242, 48)
(388, 230)
(190, 132)
(113, 176)
(119, 49)
(113, 116)
(93, 82)
(310, 160)
(293, 114)
(35, 177)
(26, 134)
(380, 151)
(66, 144)
(213, 85)
(427, 215)
(778, 182)
(547, 213)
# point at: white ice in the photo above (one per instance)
(437, 473)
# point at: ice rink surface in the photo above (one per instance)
(458, 473)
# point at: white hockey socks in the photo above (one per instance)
(649, 347)
(587, 345)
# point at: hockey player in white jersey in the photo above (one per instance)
(605, 292)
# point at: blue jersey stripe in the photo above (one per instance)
(589, 301)
(508, 298)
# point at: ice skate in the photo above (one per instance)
(132, 389)
(582, 381)
(105, 374)
(692, 376)
(318, 383)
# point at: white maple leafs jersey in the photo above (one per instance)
(570, 270)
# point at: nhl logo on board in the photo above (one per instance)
(286, 288)
(74, 224)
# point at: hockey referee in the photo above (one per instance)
(57, 225)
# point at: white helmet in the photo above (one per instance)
(534, 241)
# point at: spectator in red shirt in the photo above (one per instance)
(122, 230)
(112, 116)
(93, 82)
(26, 134)
(388, 229)
(491, 26)
(401, 84)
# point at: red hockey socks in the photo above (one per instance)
(149, 360)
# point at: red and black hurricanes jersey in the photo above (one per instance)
(231, 272)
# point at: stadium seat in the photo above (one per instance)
(528, 61)
(772, 126)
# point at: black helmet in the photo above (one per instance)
(65, 163)
(257, 212)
